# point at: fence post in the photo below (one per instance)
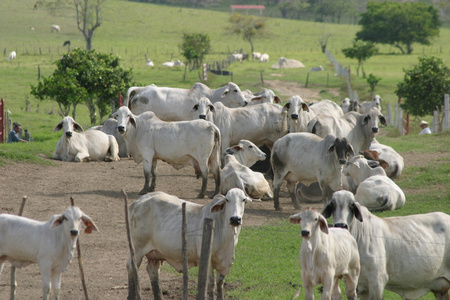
(445, 122)
(205, 73)
(184, 251)
(388, 114)
(2, 121)
(12, 295)
(205, 258)
(435, 124)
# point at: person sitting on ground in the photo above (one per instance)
(425, 128)
(14, 134)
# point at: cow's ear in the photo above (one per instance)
(384, 164)
(295, 219)
(77, 127)
(212, 108)
(350, 148)
(305, 107)
(59, 219)
(287, 106)
(355, 208)
(58, 127)
(277, 100)
(330, 149)
(225, 92)
(365, 120)
(90, 225)
(220, 204)
(132, 120)
(329, 209)
(383, 120)
(323, 224)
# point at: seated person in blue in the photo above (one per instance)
(14, 134)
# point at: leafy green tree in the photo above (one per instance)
(247, 26)
(293, 9)
(372, 80)
(194, 48)
(85, 76)
(399, 24)
(361, 51)
(424, 86)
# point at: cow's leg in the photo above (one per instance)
(211, 284)
(201, 169)
(278, 177)
(82, 156)
(291, 188)
(336, 291)
(56, 284)
(220, 282)
(153, 267)
(46, 271)
(377, 284)
(307, 283)
(149, 171)
(350, 285)
(327, 284)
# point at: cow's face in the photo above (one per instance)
(233, 96)
(353, 166)
(123, 116)
(68, 125)
(203, 109)
(232, 205)
(311, 221)
(343, 208)
(295, 106)
(373, 119)
(342, 148)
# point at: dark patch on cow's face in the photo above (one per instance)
(341, 147)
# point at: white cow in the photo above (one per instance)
(50, 244)
(359, 129)
(256, 55)
(194, 143)
(110, 127)
(408, 255)
(264, 58)
(155, 225)
(326, 255)
(261, 124)
(234, 174)
(246, 153)
(84, 146)
(55, 28)
(11, 55)
(235, 57)
(266, 95)
(148, 61)
(173, 63)
(300, 113)
(375, 190)
(389, 155)
(175, 104)
(307, 158)
(364, 107)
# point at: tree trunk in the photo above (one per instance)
(400, 47)
(74, 111)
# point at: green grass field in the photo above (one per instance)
(133, 29)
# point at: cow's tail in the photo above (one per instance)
(215, 158)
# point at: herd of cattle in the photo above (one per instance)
(325, 152)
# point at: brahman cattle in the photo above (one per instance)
(156, 225)
(408, 255)
(266, 95)
(390, 156)
(110, 127)
(50, 244)
(359, 129)
(264, 58)
(84, 146)
(326, 255)
(234, 174)
(375, 190)
(364, 107)
(55, 28)
(306, 158)
(11, 56)
(246, 153)
(195, 143)
(300, 113)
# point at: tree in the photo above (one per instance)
(85, 76)
(248, 26)
(399, 24)
(372, 80)
(424, 86)
(292, 9)
(361, 51)
(88, 14)
(194, 48)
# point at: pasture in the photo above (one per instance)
(266, 265)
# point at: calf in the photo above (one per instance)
(156, 224)
(408, 255)
(148, 139)
(246, 153)
(50, 244)
(84, 146)
(307, 158)
(391, 157)
(326, 255)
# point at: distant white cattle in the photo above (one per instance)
(326, 255)
(12, 55)
(256, 55)
(173, 63)
(375, 190)
(246, 153)
(55, 28)
(194, 143)
(110, 127)
(408, 255)
(237, 175)
(84, 146)
(175, 104)
(316, 69)
(364, 107)
(307, 158)
(155, 225)
(50, 244)
(266, 95)
(148, 61)
(300, 113)
(235, 57)
(349, 105)
(264, 58)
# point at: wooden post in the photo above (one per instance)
(445, 123)
(13, 269)
(205, 258)
(184, 252)
(307, 79)
(80, 262)
(407, 125)
(134, 290)
(262, 78)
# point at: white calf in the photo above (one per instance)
(246, 153)
(50, 244)
(326, 255)
(264, 58)
(11, 55)
(55, 28)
